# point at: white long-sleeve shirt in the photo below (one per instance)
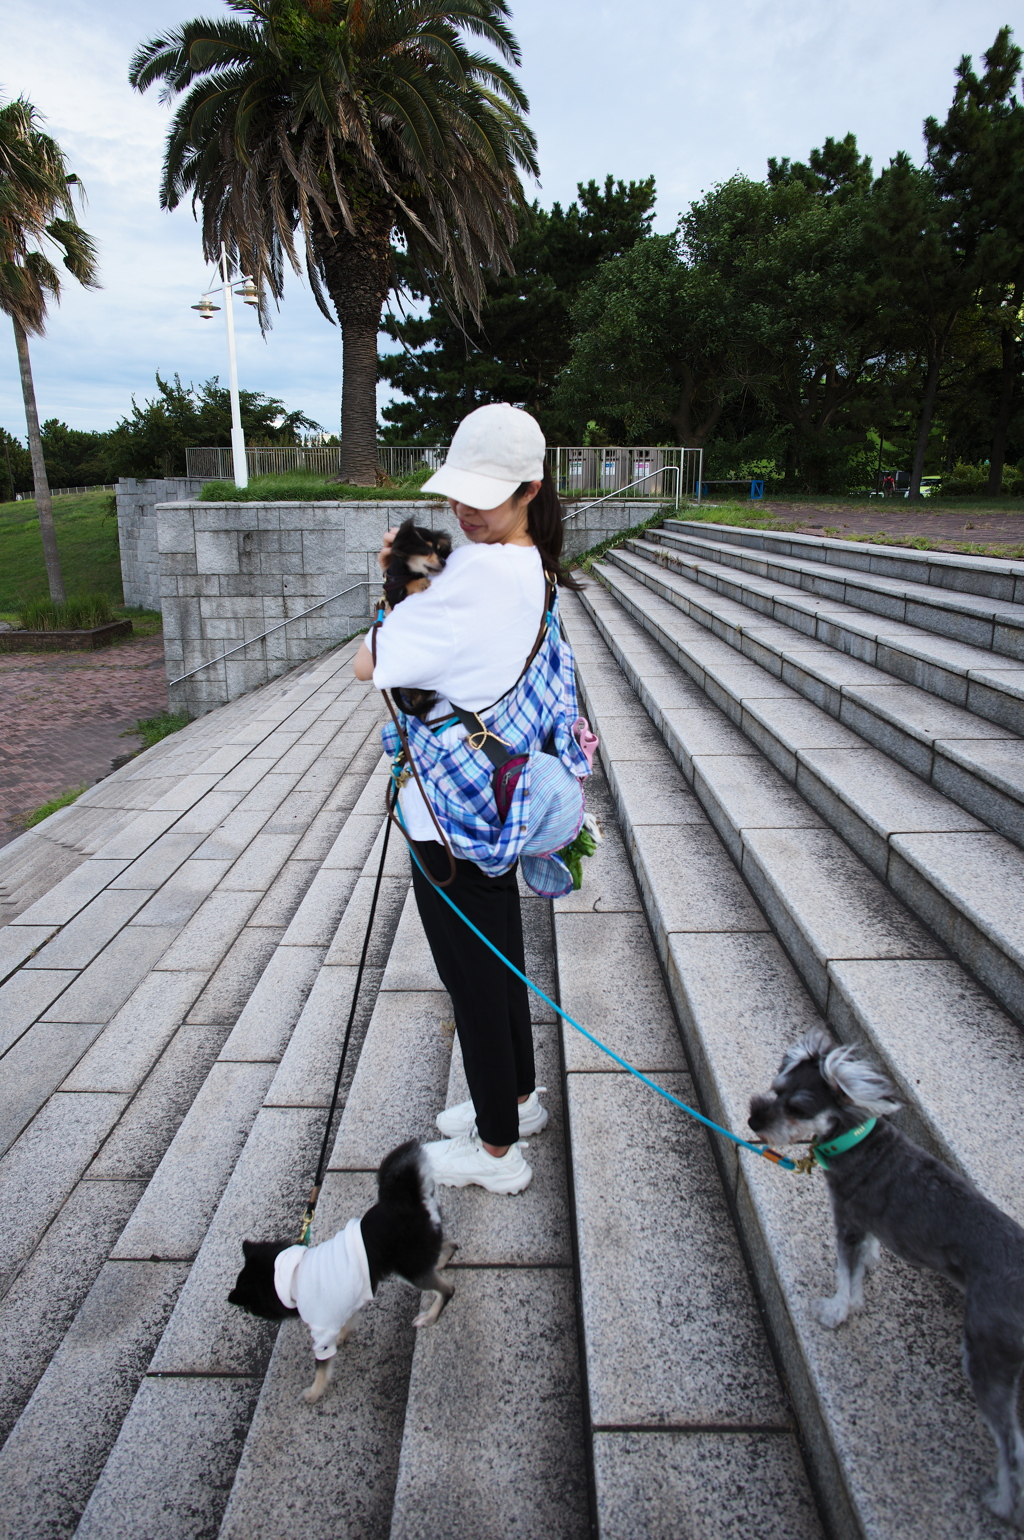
(327, 1284)
(467, 636)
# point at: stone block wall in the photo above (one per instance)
(232, 571)
(136, 530)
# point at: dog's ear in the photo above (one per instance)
(814, 1044)
(860, 1082)
(248, 1247)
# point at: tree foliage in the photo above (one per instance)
(328, 127)
(792, 324)
(447, 368)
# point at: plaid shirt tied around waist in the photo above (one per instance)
(458, 781)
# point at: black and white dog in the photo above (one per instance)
(327, 1284)
(884, 1188)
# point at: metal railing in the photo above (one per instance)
(577, 469)
(396, 460)
(664, 470)
(363, 583)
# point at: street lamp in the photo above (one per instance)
(250, 296)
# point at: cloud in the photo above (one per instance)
(691, 93)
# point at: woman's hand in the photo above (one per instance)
(384, 555)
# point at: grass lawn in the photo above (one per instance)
(86, 539)
(89, 554)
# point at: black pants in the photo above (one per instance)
(492, 1007)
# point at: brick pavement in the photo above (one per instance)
(63, 714)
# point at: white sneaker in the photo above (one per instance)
(454, 1121)
(463, 1162)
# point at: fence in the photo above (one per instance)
(579, 470)
(101, 486)
(396, 460)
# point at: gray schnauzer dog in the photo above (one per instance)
(884, 1188)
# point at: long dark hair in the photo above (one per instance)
(544, 517)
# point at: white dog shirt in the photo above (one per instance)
(327, 1284)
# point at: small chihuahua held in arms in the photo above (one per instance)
(327, 1284)
(417, 555)
(884, 1188)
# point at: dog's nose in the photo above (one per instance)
(760, 1108)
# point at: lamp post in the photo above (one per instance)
(207, 310)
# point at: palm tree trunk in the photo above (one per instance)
(359, 402)
(44, 507)
(357, 272)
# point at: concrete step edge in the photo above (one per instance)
(827, 1374)
(985, 1038)
(961, 904)
(940, 757)
(994, 576)
(989, 686)
(247, 1108)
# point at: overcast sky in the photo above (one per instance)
(691, 91)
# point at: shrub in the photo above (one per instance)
(79, 614)
(302, 487)
(972, 481)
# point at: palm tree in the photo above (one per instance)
(36, 208)
(350, 123)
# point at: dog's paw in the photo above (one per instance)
(873, 1254)
(313, 1392)
(830, 1312)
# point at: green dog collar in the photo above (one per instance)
(842, 1142)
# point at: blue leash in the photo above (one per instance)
(756, 1149)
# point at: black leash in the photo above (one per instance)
(307, 1218)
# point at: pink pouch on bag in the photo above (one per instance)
(587, 740)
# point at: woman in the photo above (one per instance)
(470, 638)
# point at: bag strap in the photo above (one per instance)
(478, 734)
(407, 751)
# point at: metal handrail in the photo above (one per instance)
(619, 490)
(363, 583)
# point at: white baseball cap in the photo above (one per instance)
(494, 450)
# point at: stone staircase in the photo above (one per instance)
(811, 799)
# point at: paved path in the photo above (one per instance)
(64, 715)
(894, 517)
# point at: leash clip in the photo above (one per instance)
(805, 1165)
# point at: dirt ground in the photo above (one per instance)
(63, 715)
(893, 517)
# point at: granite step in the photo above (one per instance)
(987, 684)
(990, 576)
(976, 619)
(692, 1430)
(244, 1145)
(494, 1439)
(893, 1438)
(209, 1363)
(87, 1155)
(854, 944)
(974, 762)
(950, 868)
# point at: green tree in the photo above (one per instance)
(351, 125)
(522, 341)
(977, 158)
(759, 309)
(15, 466)
(928, 279)
(152, 440)
(37, 214)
